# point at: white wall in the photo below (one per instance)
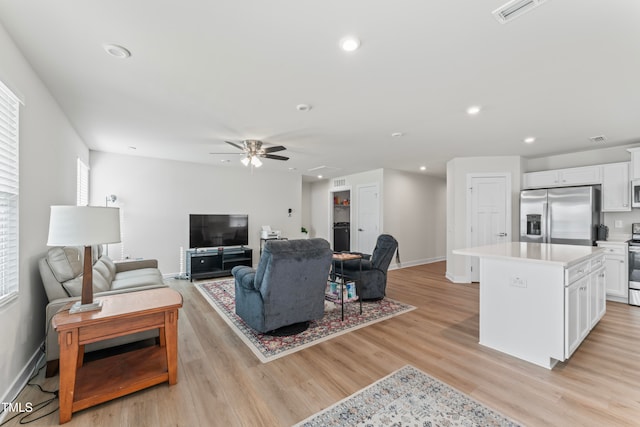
(354, 182)
(415, 214)
(412, 209)
(157, 196)
(49, 147)
(457, 233)
(319, 208)
(581, 158)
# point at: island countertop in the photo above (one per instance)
(547, 253)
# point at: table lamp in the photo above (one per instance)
(84, 226)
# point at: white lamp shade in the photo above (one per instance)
(83, 226)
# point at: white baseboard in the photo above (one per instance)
(22, 378)
(457, 279)
(396, 266)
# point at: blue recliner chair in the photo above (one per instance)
(373, 282)
(287, 289)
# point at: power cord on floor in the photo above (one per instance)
(32, 410)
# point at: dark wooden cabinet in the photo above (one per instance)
(208, 263)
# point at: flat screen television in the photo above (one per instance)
(215, 230)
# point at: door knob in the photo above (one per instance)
(502, 234)
(360, 229)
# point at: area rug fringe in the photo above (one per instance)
(268, 358)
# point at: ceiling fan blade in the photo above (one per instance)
(274, 157)
(274, 149)
(235, 145)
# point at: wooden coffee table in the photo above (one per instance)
(85, 385)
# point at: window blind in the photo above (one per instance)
(82, 192)
(9, 186)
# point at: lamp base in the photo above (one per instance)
(78, 307)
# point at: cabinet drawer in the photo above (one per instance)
(614, 249)
(577, 271)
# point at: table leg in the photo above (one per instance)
(80, 357)
(360, 282)
(342, 288)
(68, 361)
(171, 344)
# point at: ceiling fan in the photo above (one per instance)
(252, 150)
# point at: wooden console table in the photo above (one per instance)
(86, 385)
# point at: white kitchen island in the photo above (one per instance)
(539, 301)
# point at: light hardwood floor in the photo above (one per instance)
(221, 383)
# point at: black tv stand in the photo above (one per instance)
(216, 262)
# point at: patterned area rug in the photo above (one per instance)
(221, 295)
(407, 397)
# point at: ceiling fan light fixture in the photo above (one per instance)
(255, 161)
(245, 161)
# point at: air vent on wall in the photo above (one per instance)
(341, 182)
(515, 8)
(600, 139)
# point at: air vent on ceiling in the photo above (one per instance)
(515, 8)
(600, 139)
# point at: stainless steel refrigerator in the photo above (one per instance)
(568, 215)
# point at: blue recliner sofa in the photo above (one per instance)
(373, 281)
(286, 290)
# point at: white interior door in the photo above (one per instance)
(490, 214)
(368, 226)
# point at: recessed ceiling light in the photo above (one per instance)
(397, 134)
(319, 176)
(303, 107)
(225, 160)
(529, 140)
(473, 110)
(349, 43)
(423, 168)
(293, 169)
(116, 50)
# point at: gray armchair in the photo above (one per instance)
(373, 282)
(287, 289)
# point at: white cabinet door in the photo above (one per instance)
(602, 295)
(596, 296)
(586, 175)
(542, 179)
(576, 314)
(616, 260)
(617, 275)
(616, 187)
(581, 176)
(635, 162)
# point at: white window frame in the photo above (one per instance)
(9, 195)
(82, 186)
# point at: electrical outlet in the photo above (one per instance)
(519, 282)
(618, 223)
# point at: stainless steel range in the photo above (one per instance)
(634, 265)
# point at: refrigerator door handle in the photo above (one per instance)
(546, 219)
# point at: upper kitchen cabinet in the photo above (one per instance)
(635, 162)
(587, 175)
(616, 187)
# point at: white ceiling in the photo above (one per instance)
(205, 71)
